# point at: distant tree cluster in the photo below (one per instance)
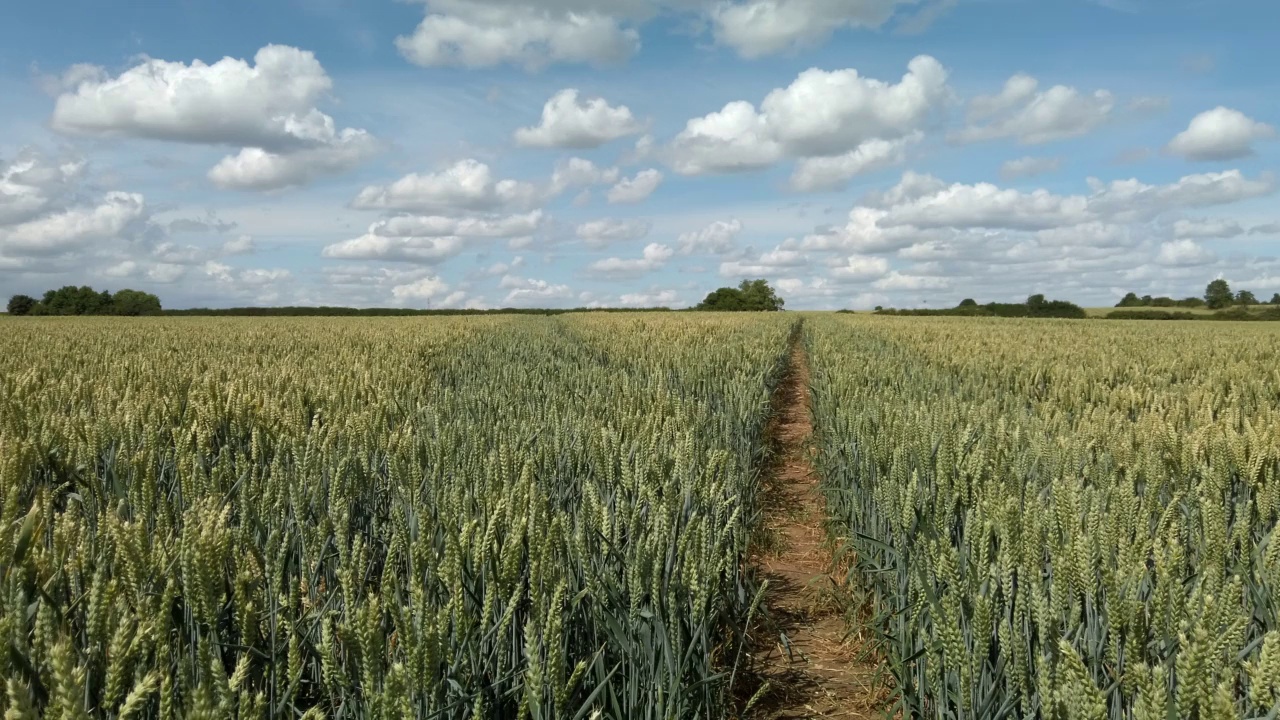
(1036, 306)
(749, 296)
(1217, 295)
(84, 300)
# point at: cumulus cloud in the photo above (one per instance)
(1020, 111)
(860, 268)
(926, 204)
(568, 123)
(258, 169)
(635, 189)
(1219, 134)
(654, 298)
(714, 239)
(485, 226)
(755, 28)
(471, 33)
(1206, 228)
(72, 228)
(530, 291)
(467, 185)
(833, 172)
(899, 281)
(599, 233)
(854, 122)
(1029, 167)
(239, 245)
(653, 257)
(33, 182)
(577, 172)
(426, 288)
(767, 263)
(267, 108)
(422, 250)
(1182, 253)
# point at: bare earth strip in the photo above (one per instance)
(817, 671)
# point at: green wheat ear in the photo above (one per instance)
(330, 518)
(1069, 521)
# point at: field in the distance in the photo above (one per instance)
(551, 517)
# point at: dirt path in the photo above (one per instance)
(817, 672)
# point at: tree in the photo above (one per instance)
(21, 304)
(1035, 300)
(1244, 297)
(1217, 294)
(135, 302)
(1275, 299)
(968, 302)
(758, 296)
(750, 295)
(1129, 300)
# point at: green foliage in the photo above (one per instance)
(1244, 297)
(84, 300)
(1036, 306)
(1275, 299)
(1218, 295)
(21, 305)
(749, 296)
(1131, 300)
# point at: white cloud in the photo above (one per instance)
(492, 226)
(1220, 134)
(714, 239)
(258, 169)
(766, 264)
(1019, 111)
(859, 268)
(653, 257)
(166, 272)
(423, 250)
(528, 291)
(830, 173)
(32, 183)
(261, 276)
(599, 233)
(239, 245)
(467, 33)
(467, 185)
(764, 27)
(984, 205)
(635, 189)
(734, 139)
(267, 108)
(568, 123)
(853, 122)
(1029, 167)
(1184, 253)
(427, 288)
(899, 281)
(1207, 228)
(657, 298)
(73, 228)
(577, 172)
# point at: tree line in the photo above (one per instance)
(1036, 306)
(1217, 295)
(84, 300)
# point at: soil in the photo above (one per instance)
(820, 669)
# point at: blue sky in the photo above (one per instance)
(559, 153)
